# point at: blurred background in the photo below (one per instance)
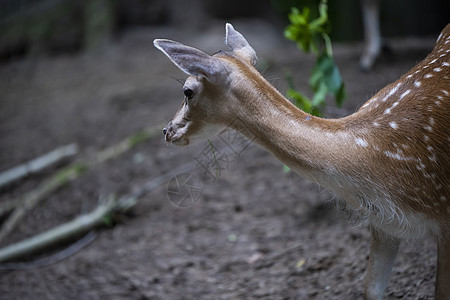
(30, 27)
(86, 73)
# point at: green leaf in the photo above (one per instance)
(307, 33)
(299, 30)
(108, 220)
(325, 78)
(321, 70)
(315, 111)
(340, 95)
(319, 95)
(312, 36)
(322, 22)
(300, 100)
(333, 79)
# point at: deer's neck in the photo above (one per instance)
(309, 145)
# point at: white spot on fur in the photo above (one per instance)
(397, 155)
(370, 101)
(428, 75)
(445, 64)
(361, 142)
(404, 94)
(431, 121)
(445, 92)
(420, 166)
(417, 83)
(391, 92)
(437, 69)
(393, 125)
(376, 124)
(428, 128)
(388, 110)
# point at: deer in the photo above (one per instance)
(389, 161)
(372, 34)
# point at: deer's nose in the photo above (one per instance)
(164, 131)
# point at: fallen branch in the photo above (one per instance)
(31, 199)
(106, 211)
(51, 259)
(69, 173)
(8, 205)
(38, 164)
(78, 226)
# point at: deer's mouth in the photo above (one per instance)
(176, 134)
(181, 141)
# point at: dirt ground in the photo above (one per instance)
(253, 232)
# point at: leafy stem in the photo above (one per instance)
(311, 35)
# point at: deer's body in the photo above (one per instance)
(390, 160)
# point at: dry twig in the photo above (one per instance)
(38, 164)
(69, 173)
(61, 233)
(84, 223)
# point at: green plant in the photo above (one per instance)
(311, 35)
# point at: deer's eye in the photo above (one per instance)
(188, 93)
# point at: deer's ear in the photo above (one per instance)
(239, 45)
(191, 60)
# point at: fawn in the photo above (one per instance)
(390, 160)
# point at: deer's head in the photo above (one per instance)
(208, 90)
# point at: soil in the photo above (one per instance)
(252, 230)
